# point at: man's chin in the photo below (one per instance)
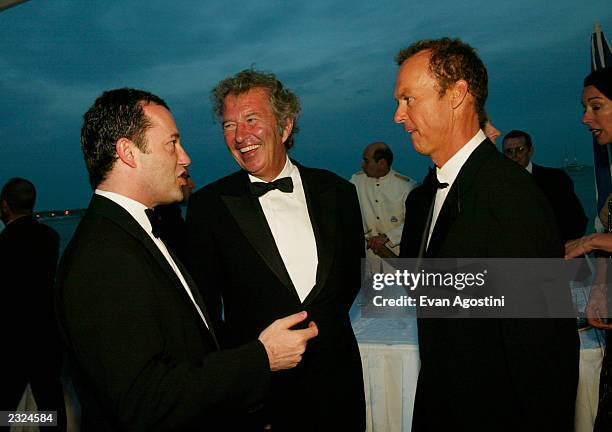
(175, 198)
(420, 149)
(603, 139)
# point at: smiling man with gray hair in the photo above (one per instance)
(276, 237)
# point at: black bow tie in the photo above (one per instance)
(155, 222)
(258, 189)
(434, 180)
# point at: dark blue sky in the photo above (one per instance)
(57, 56)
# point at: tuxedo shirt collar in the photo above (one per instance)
(529, 167)
(448, 174)
(450, 170)
(134, 208)
(288, 170)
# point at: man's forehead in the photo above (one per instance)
(252, 101)
(514, 142)
(414, 72)
(159, 117)
(152, 109)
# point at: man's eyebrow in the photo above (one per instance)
(402, 92)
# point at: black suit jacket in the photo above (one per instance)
(559, 189)
(491, 374)
(141, 355)
(28, 260)
(234, 257)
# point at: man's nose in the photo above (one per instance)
(400, 114)
(241, 132)
(183, 157)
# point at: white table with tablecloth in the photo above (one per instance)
(390, 360)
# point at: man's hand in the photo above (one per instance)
(285, 346)
(377, 242)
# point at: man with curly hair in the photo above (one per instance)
(277, 237)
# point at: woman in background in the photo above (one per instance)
(597, 102)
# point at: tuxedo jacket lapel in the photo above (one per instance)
(448, 213)
(321, 201)
(462, 185)
(196, 294)
(427, 208)
(250, 217)
(121, 217)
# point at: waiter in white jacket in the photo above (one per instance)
(382, 193)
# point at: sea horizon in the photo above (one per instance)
(65, 224)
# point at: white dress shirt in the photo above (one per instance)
(289, 221)
(137, 211)
(448, 174)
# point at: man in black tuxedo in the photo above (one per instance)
(277, 237)
(141, 347)
(478, 374)
(555, 183)
(32, 349)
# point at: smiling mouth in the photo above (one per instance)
(249, 148)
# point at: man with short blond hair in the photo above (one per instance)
(478, 374)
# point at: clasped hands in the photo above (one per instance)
(377, 242)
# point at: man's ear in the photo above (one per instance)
(459, 91)
(287, 129)
(125, 149)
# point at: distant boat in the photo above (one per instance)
(573, 166)
(570, 161)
